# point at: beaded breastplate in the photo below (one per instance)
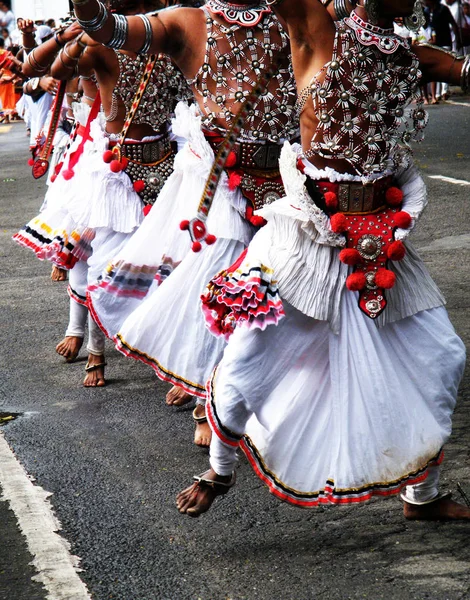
(362, 96)
(166, 87)
(235, 56)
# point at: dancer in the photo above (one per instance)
(122, 167)
(341, 372)
(222, 49)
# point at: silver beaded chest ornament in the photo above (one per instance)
(361, 99)
(237, 54)
(149, 93)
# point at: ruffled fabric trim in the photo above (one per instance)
(330, 494)
(74, 295)
(247, 295)
(162, 373)
(126, 280)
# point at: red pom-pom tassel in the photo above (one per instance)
(196, 246)
(124, 162)
(350, 256)
(385, 279)
(147, 208)
(184, 225)
(394, 196)
(234, 181)
(231, 160)
(115, 166)
(356, 282)
(108, 156)
(210, 239)
(139, 186)
(396, 250)
(31, 162)
(331, 201)
(338, 223)
(402, 219)
(68, 174)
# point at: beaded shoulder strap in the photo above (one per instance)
(197, 227)
(41, 164)
(135, 103)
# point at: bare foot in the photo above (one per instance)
(198, 498)
(178, 397)
(58, 274)
(203, 433)
(95, 371)
(444, 509)
(69, 347)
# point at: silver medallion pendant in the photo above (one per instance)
(239, 14)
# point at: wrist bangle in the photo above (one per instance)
(119, 37)
(80, 43)
(33, 63)
(57, 39)
(64, 64)
(148, 34)
(74, 58)
(97, 22)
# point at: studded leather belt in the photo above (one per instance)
(353, 198)
(247, 155)
(147, 153)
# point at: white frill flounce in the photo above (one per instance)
(160, 248)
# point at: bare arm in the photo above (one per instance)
(437, 64)
(39, 59)
(162, 33)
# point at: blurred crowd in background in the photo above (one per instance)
(447, 25)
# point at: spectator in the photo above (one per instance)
(7, 18)
(441, 22)
(6, 38)
(50, 23)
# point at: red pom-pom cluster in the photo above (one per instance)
(67, 174)
(396, 250)
(196, 247)
(338, 223)
(234, 181)
(402, 219)
(184, 225)
(31, 162)
(210, 239)
(139, 186)
(385, 279)
(115, 166)
(356, 282)
(394, 196)
(350, 256)
(331, 201)
(108, 156)
(231, 160)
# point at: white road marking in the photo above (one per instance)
(56, 566)
(457, 103)
(449, 179)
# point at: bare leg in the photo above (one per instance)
(95, 371)
(70, 346)
(443, 509)
(203, 433)
(96, 362)
(198, 498)
(178, 397)
(58, 274)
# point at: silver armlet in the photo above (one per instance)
(97, 22)
(121, 28)
(341, 9)
(148, 34)
(465, 74)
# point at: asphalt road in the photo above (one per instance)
(114, 458)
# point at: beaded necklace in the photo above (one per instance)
(246, 15)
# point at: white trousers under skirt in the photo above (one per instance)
(326, 418)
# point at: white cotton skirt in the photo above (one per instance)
(94, 198)
(339, 418)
